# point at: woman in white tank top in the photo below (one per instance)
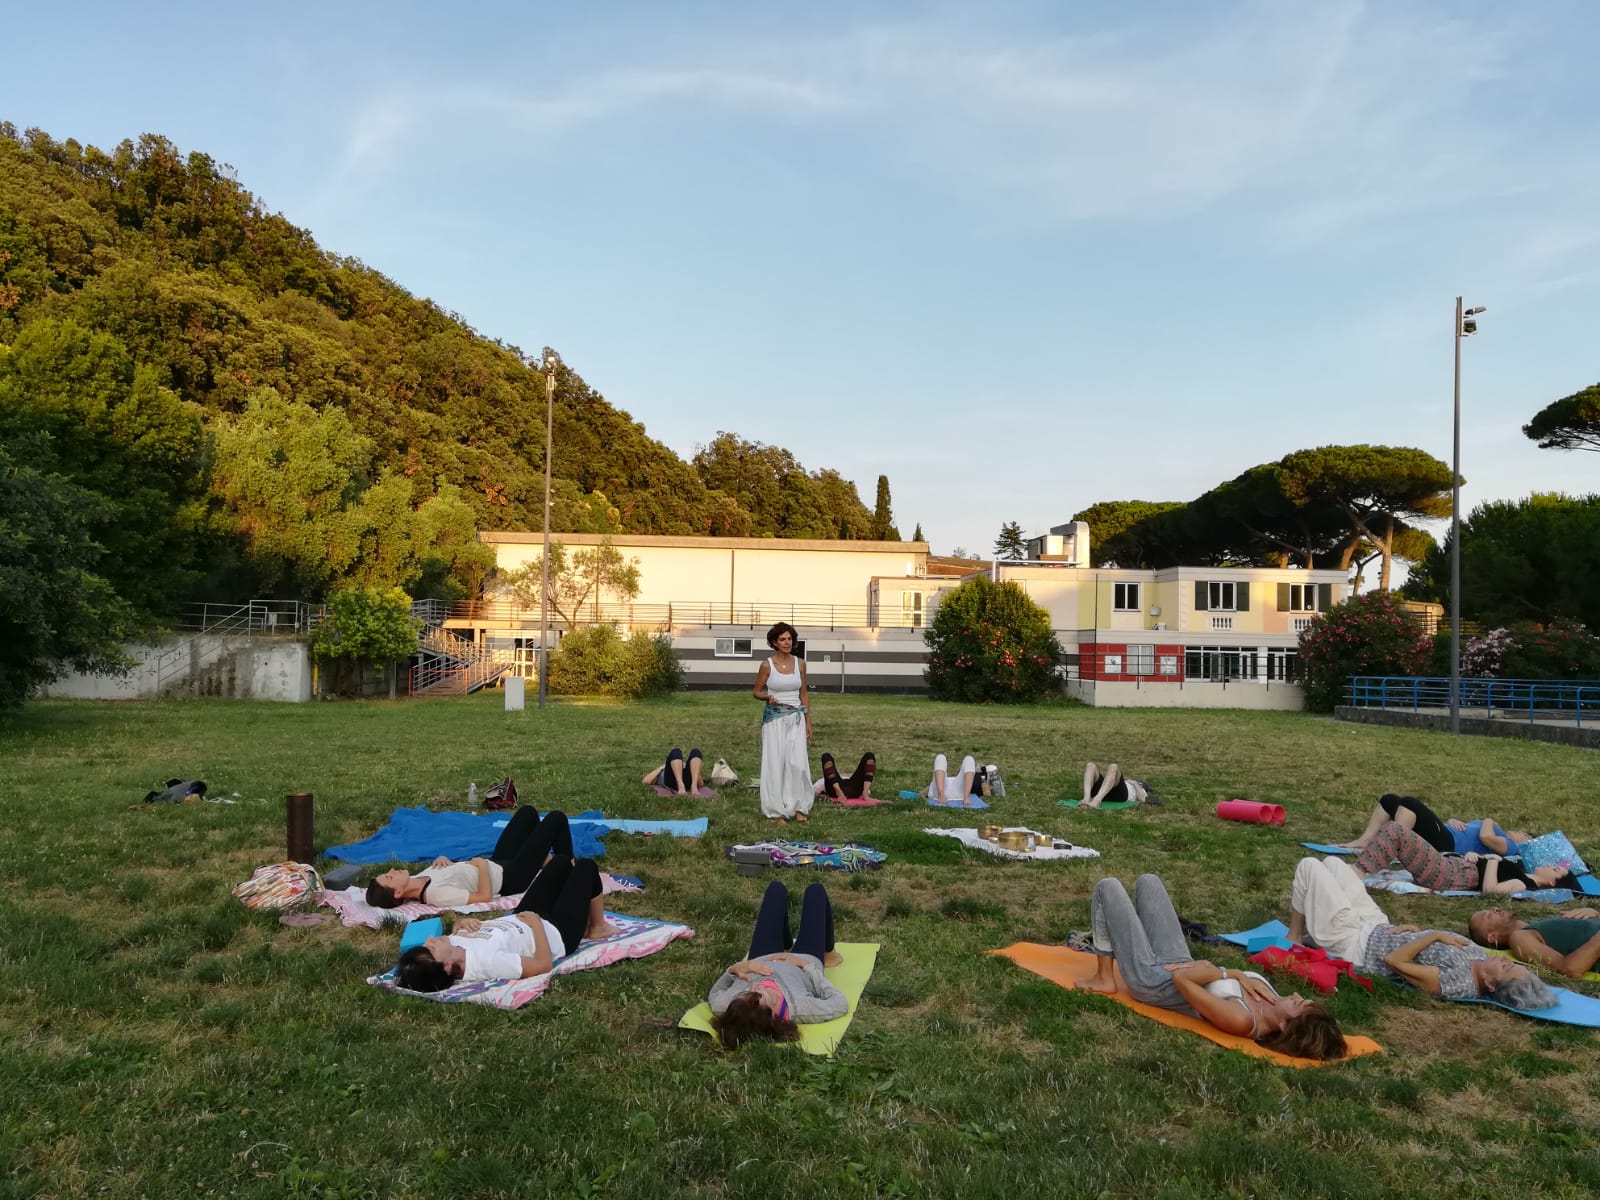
(786, 789)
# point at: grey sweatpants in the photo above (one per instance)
(1144, 935)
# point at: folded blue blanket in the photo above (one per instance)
(1327, 848)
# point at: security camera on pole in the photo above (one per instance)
(1466, 326)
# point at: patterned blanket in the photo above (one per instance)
(638, 937)
(848, 857)
(353, 909)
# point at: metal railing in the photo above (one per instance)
(1530, 699)
(677, 613)
(253, 616)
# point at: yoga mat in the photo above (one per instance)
(972, 802)
(1103, 806)
(418, 932)
(684, 829)
(850, 977)
(1264, 931)
(857, 802)
(1571, 1009)
(1326, 848)
(701, 793)
(1066, 968)
(638, 937)
(415, 834)
(1589, 885)
(1250, 811)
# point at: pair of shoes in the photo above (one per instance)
(1080, 939)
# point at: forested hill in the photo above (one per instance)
(288, 386)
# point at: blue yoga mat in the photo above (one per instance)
(415, 834)
(1589, 885)
(1324, 848)
(972, 802)
(1268, 933)
(693, 828)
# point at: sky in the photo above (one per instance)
(1019, 257)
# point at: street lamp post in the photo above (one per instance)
(550, 361)
(1466, 326)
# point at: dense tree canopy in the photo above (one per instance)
(1109, 519)
(162, 328)
(1536, 559)
(1572, 423)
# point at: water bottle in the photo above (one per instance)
(472, 793)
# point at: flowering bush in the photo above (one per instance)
(989, 643)
(1482, 656)
(1367, 635)
(1562, 649)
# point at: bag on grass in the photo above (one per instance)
(722, 775)
(179, 791)
(502, 795)
(278, 886)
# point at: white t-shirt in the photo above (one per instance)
(497, 949)
(452, 886)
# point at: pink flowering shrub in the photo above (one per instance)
(989, 643)
(1368, 635)
(1481, 657)
(1563, 649)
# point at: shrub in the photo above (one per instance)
(598, 662)
(988, 642)
(367, 625)
(1562, 649)
(1366, 635)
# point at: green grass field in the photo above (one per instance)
(158, 1039)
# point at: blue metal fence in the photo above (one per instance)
(1536, 699)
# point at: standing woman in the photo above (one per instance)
(786, 789)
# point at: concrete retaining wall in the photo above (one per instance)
(1538, 731)
(1191, 693)
(233, 668)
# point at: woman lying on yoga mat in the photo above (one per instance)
(1568, 942)
(1143, 938)
(523, 848)
(675, 775)
(1111, 788)
(854, 787)
(1331, 909)
(1482, 836)
(1442, 872)
(957, 788)
(780, 985)
(560, 908)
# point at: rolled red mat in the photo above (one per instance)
(1251, 811)
(298, 811)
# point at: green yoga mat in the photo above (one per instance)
(1104, 805)
(850, 977)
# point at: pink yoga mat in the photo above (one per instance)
(1251, 811)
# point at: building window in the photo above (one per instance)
(1169, 664)
(1219, 664)
(732, 648)
(1141, 659)
(911, 609)
(1125, 597)
(1221, 595)
(1305, 597)
(1111, 665)
(1283, 666)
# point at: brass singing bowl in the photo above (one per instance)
(1011, 840)
(988, 832)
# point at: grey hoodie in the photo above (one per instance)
(812, 996)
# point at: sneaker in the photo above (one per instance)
(1080, 939)
(997, 786)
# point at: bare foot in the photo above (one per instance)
(779, 820)
(1106, 987)
(832, 958)
(801, 818)
(604, 929)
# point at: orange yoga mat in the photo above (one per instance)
(1065, 968)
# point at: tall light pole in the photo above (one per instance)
(1466, 326)
(550, 361)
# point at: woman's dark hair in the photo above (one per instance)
(381, 897)
(747, 1019)
(778, 630)
(1312, 1034)
(419, 971)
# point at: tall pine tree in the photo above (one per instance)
(883, 529)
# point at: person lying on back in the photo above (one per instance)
(525, 845)
(1568, 942)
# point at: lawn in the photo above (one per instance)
(158, 1039)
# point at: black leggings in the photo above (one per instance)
(525, 843)
(1428, 827)
(675, 755)
(852, 787)
(561, 896)
(771, 935)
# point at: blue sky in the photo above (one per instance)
(1019, 257)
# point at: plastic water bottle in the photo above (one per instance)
(472, 793)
